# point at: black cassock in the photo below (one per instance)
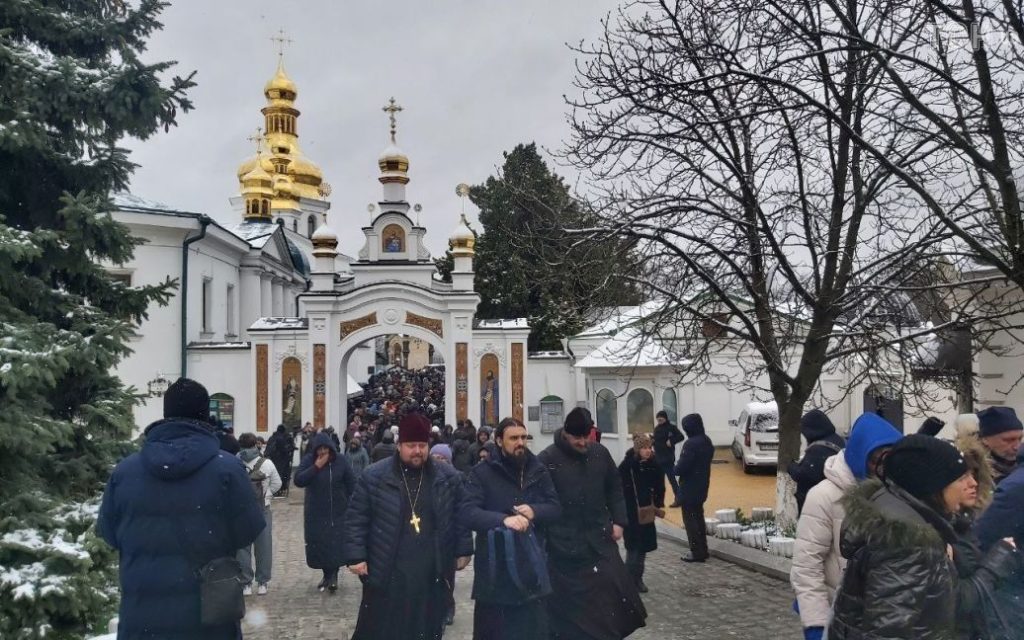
(414, 604)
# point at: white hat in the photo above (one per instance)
(435, 429)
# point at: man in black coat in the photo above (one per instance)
(593, 594)
(401, 537)
(169, 509)
(511, 490)
(694, 471)
(666, 437)
(280, 449)
(822, 443)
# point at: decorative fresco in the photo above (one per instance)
(490, 400)
(291, 393)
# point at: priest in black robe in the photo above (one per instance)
(402, 537)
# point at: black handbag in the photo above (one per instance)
(220, 592)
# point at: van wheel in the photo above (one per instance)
(748, 468)
(736, 452)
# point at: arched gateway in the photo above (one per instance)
(391, 288)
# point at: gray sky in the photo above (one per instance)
(474, 78)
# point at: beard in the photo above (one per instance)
(517, 456)
(415, 462)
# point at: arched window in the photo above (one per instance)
(607, 411)
(310, 225)
(668, 405)
(265, 207)
(279, 222)
(222, 407)
(295, 226)
(640, 411)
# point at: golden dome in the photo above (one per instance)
(280, 86)
(462, 240)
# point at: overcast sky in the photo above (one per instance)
(474, 78)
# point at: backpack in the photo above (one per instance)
(257, 477)
(525, 561)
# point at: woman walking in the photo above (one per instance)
(898, 538)
(643, 485)
(329, 481)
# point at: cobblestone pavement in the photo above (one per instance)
(686, 602)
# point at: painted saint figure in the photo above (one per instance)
(489, 399)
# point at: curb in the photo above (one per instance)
(772, 566)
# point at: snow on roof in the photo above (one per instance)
(130, 200)
(629, 348)
(548, 354)
(218, 345)
(272, 324)
(353, 388)
(255, 233)
(617, 318)
(507, 323)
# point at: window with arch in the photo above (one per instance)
(222, 408)
(265, 207)
(279, 221)
(295, 226)
(640, 411)
(669, 406)
(310, 226)
(607, 411)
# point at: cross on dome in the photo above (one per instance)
(391, 109)
(280, 40)
(257, 139)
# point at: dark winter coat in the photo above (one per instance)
(979, 575)
(666, 437)
(461, 456)
(1004, 518)
(822, 443)
(694, 464)
(590, 491)
(383, 451)
(229, 443)
(899, 582)
(473, 454)
(280, 449)
(492, 489)
(326, 501)
(168, 509)
(374, 520)
(649, 489)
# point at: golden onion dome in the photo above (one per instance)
(250, 163)
(283, 186)
(303, 166)
(462, 240)
(257, 174)
(280, 86)
(393, 160)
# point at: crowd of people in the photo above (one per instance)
(898, 536)
(910, 536)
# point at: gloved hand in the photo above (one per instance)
(814, 633)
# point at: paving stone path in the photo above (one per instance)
(686, 602)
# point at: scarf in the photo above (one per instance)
(248, 455)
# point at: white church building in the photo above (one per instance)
(280, 327)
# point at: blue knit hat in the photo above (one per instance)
(996, 420)
(869, 432)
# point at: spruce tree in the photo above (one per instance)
(72, 86)
(529, 261)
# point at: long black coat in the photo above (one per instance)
(899, 582)
(590, 491)
(280, 449)
(822, 443)
(492, 489)
(374, 520)
(326, 501)
(649, 489)
(694, 464)
(666, 437)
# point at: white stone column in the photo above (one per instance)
(248, 298)
(266, 295)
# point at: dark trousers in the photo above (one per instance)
(331, 575)
(635, 564)
(696, 530)
(669, 469)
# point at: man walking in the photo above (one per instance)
(593, 596)
(281, 449)
(666, 437)
(822, 443)
(401, 536)
(1000, 431)
(694, 471)
(265, 483)
(510, 491)
(171, 508)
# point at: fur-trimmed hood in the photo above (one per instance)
(879, 515)
(980, 463)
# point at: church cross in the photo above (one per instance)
(391, 109)
(415, 521)
(280, 41)
(257, 138)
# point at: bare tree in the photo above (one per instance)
(724, 142)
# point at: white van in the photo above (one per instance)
(756, 438)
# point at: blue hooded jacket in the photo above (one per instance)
(168, 509)
(869, 432)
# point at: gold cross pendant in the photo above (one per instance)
(415, 522)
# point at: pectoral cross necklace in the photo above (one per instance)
(415, 520)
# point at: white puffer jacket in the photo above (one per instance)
(817, 564)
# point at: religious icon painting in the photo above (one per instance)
(490, 406)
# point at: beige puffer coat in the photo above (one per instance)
(817, 563)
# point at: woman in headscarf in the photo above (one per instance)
(643, 485)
